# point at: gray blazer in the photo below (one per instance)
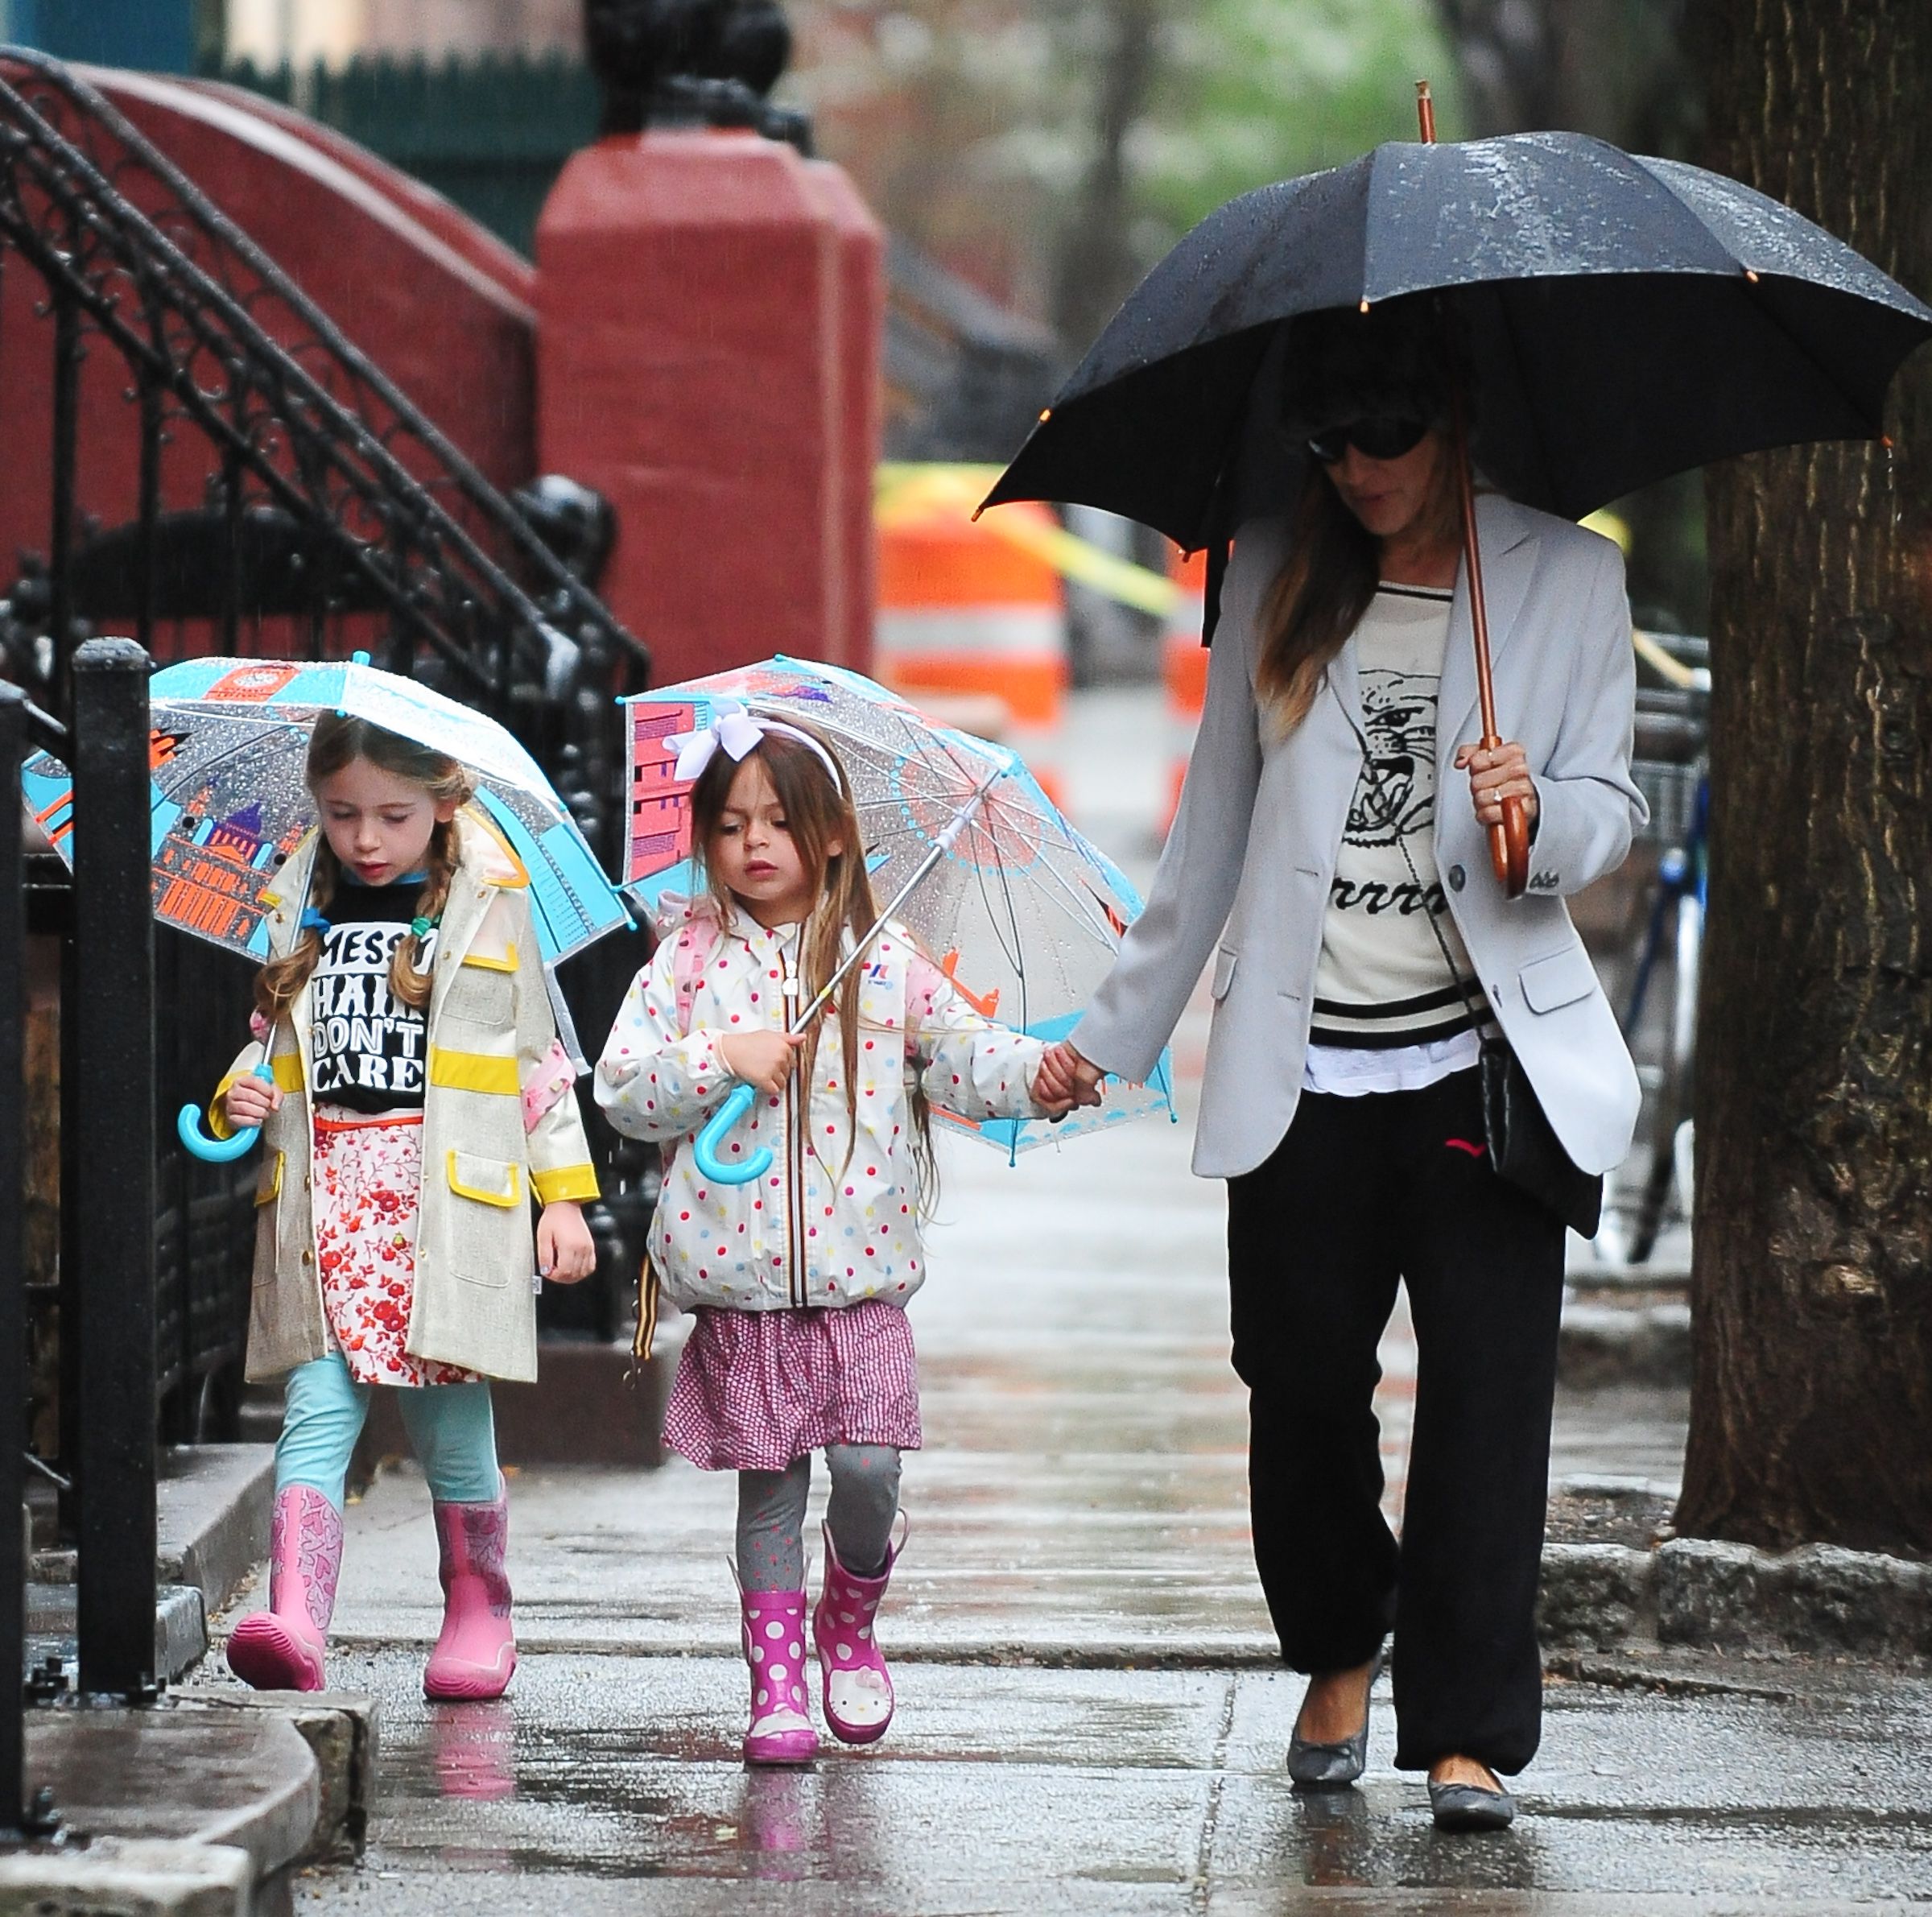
(1248, 862)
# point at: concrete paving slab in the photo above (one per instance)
(1132, 1792)
(127, 1877)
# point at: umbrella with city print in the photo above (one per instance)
(228, 742)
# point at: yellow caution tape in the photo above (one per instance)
(905, 491)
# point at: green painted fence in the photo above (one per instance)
(490, 132)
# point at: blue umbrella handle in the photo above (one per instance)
(705, 1150)
(211, 1150)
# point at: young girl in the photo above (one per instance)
(419, 1095)
(799, 1279)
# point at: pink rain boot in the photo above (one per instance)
(477, 1651)
(281, 1649)
(858, 1687)
(781, 1730)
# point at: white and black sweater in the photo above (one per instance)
(1382, 981)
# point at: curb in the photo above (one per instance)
(1605, 1344)
(1708, 1594)
(212, 1513)
(203, 1807)
(180, 1627)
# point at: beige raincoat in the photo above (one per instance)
(500, 1125)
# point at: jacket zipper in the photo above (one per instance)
(796, 1105)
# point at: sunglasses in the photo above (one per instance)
(1385, 436)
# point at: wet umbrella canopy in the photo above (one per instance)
(1625, 318)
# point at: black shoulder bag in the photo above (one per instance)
(1523, 1147)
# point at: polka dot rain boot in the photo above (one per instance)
(858, 1687)
(781, 1730)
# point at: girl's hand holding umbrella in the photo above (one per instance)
(249, 1100)
(1501, 772)
(763, 1060)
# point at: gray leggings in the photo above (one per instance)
(864, 1500)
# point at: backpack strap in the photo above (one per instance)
(695, 941)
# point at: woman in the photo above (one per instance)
(1366, 944)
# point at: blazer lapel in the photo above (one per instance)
(1509, 549)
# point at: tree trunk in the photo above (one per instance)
(1812, 1404)
(1099, 265)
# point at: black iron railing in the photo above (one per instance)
(335, 513)
(107, 1128)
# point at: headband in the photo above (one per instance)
(738, 730)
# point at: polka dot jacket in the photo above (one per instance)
(836, 1218)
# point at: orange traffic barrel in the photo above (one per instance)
(1183, 671)
(963, 610)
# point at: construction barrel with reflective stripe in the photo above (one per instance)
(963, 609)
(1183, 671)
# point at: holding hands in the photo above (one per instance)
(1064, 1081)
(1501, 773)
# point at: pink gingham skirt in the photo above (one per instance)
(756, 1389)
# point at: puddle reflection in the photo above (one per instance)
(474, 1745)
(1337, 1834)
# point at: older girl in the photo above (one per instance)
(418, 1099)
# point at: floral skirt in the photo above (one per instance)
(369, 1183)
(756, 1389)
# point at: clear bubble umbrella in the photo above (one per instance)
(1023, 914)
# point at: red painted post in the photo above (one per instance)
(692, 366)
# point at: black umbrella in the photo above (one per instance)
(1627, 319)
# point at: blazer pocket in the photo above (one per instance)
(489, 1181)
(1226, 958)
(1561, 979)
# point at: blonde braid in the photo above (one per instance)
(280, 983)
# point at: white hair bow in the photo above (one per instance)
(735, 729)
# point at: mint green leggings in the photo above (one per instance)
(450, 1430)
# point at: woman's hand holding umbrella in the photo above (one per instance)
(1498, 773)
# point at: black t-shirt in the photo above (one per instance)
(371, 1050)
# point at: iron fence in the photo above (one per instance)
(334, 513)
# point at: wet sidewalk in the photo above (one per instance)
(1090, 1717)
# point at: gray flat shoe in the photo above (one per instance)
(1332, 1766)
(1470, 1807)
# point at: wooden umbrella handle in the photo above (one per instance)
(1510, 842)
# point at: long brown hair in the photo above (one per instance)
(1342, 366)
(819, 813)
(1325, 585)
(338, 741)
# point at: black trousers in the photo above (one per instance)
(1364, 1191)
